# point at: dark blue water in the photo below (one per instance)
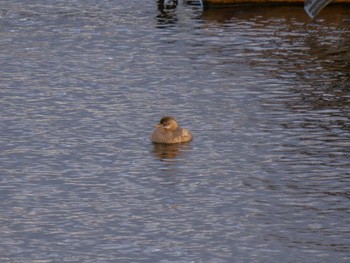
(265, 92)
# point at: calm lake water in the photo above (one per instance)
(265, 92)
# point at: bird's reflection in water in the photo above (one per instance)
(168, 152)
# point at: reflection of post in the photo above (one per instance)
(167, 14)
(167, 4)
(313, 7)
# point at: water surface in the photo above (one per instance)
(265, 91)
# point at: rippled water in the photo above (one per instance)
(265, 91)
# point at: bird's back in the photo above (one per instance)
(180, 135)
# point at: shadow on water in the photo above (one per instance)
(302, 70)
(283, 43)
(334, 14)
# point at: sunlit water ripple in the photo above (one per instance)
(265, 91)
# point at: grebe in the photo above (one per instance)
(168, 132)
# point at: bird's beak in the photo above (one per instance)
(162, 126)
